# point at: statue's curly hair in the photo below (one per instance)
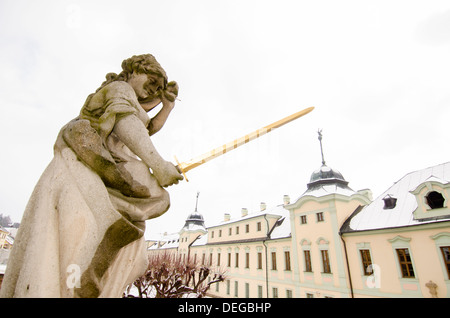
(141, 64)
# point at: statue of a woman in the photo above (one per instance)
(81, 234)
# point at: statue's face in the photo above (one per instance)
(137, 81)
(146, 86)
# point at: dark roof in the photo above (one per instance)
(195, 218)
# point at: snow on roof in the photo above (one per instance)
(12, 231)
(201, 240)
(374, 216)
(194, 227)
(10, 240)
(277, 210)
(165, 241)
(329, 189)
(282, 229)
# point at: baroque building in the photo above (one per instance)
(331, 241)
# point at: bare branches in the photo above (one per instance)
(170, 276)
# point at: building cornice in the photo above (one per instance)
(414, 227)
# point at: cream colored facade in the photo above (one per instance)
(6, 241)
(319, 251)
(331, 241)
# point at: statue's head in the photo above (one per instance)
(145, 64)
(142, 64)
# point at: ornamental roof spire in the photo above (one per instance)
(321, 149)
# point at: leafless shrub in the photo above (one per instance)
(170, 276)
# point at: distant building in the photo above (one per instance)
(6, 240)
(331, 241)
(6, 243)
(404, 237)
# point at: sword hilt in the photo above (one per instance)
(180, 168)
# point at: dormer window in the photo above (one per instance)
(389, 202)
(435, 200)
(431, 197)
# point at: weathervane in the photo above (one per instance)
(321, 150)
(196, 202)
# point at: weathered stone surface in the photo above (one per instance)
(82, 231)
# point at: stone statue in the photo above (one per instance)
(81, 234)
(432, 287)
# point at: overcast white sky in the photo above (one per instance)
(378, 73)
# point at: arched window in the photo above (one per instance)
(435, 200)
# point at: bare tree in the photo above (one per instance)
(170, 276)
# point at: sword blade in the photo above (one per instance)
(184, 167)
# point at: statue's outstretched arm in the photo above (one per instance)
(133, 133)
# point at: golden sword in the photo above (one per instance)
(184, 167)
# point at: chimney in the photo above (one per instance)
(244, 212)
(286, 199)
(367, 193)
(389, 202)
(263, 206)
(226, 217)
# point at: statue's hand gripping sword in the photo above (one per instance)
(184, 167)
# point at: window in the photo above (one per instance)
(203, 259)
(237, 260)
(287, 261)
(435, 200)
(275, 292)
(229, 231)
(220, 233)
(288, 293)
(259, 260)
(247, 228)
(446, 254)
(247, 290)
(260, 291)
(274, 261)
(210, 259)
(325, 261)
(405, 262)
(303, 219)
(212, 234)
(228, 287)
(319, 217)
(308, 267)
(308, 295)
(236, 288)
(237, 230)
(229, 259)
(366, 262)
(258, 226)
(218, 259)
(247, 260)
